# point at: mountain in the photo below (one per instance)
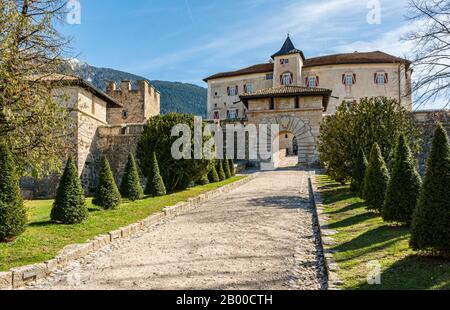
(175, 96)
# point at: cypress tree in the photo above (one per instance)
(404, 186)
(69, 206)
(226, 169)
(220, 170)
(376, 180)
(204, 180)
(155, 184)
(12, 211)
(213, 177)
(430, 229)
(359, 170)
(232, 168)
(130, 186)
(107, 195)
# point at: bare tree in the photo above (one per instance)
(431, 61)
(31, 49)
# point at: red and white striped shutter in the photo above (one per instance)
(317, 81)
(354, 78)
(307, 82)
(386, 78)
(375, 78)
(343, 79)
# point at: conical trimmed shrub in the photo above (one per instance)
(232, 168)
(226, 169)
(220, 170)
(107, 195)
(130, 186)
(213, 177)
(375, 180)
(358, 173)
(430, 229)
(12, 211)
(404, 186)
(204, 180)
(155, 184)
(69, 206)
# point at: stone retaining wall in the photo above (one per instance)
(21, 276)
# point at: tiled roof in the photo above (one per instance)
(69, 80)
(350, 58)
(287, 91)
(287, 49)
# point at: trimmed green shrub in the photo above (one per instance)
(226, 168)
(12, 211)
(232, 168)
(157, 137)
(130, 186)
(375, 180)
(204, 180)
(107, 195)
(155, 184)
(404, 186)
(213, 177)
(220, 170)
(430, 229)
(69, 206)
(358, 173)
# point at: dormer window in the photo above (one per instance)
(284, 61)
(380, 78)
(287, 78)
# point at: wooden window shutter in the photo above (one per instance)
(317, 81)
(228, 91)
(292, 77)
(375, 80)
(307, 82)
(354, 78)
(245, 88)
(281, 80)
(343, 79)
(386, 78)
(237, 90)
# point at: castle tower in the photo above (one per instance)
(288, 64)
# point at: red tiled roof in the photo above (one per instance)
(349, 58)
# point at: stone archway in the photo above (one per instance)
(301, 129)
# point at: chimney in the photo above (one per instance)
(110, 86)
(125, 85)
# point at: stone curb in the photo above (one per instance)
(327, 241)
(21, 276)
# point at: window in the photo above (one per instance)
(232, 114)
(124, 114)
(232, 91)
(286, 78)
(248, 88)
(349, 79)
(216, 115)
(272, 104)
(380, 78)
(312, 81)
(269, 76)
(284, 61)
(297, 103)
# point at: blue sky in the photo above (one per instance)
(187, 40)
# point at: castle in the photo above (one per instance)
(106, 124)
(297, 92)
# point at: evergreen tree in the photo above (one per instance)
(213, 177)
(375, 180)
(359, 170)
(226, 168)
(204, 180)
(232, 168)
(131, 184)
(404, 186)
(69, 206)
(155, 185)
(220, 170)
(12, 211)
(430, 229)
(107, 195)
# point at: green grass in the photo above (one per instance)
(42, 239)
(363, 237)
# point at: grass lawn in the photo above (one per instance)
(43, 240)
(363, 237)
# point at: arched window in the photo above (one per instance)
(287, 78)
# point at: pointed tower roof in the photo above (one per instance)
(287, 49)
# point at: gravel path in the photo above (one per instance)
(259, 236)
